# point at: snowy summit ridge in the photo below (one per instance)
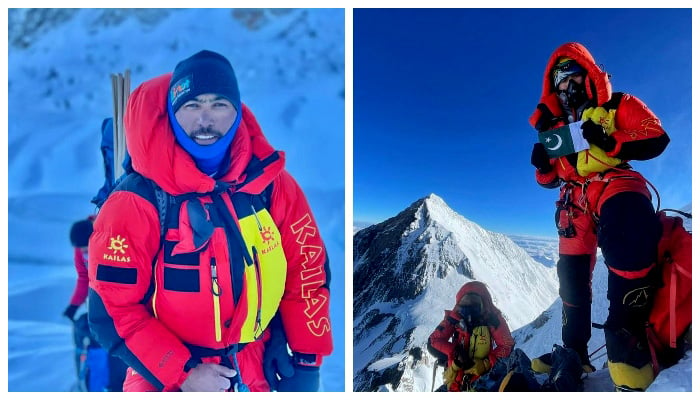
(407, 271)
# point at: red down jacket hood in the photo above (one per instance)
(597, 81)
(480, 289)
(156, 154)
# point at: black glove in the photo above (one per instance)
(70, 311)
(305, 379)
(595, 134)
(540, 159)
(277, 363)
(547, 120)
(461, 358)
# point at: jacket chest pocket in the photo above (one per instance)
(180, 285)
(181, 280)
(180, 271)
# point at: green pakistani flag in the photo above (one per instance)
(564, 141)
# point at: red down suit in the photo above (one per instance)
(154, 303)
(448, 335)
(603, 202)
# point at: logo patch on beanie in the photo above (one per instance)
(180, 88)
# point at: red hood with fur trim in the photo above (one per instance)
(156, 154)
(597, 81)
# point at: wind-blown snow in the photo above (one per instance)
(290, 67)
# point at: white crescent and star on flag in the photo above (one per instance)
(565, 140)
(557, 146)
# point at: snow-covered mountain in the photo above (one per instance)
(394, 317)
(407, 271)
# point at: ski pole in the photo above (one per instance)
(597, 350)
(600, 356)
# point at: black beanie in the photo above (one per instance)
(204, 72)
(80, 233)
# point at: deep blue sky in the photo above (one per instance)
(442, 99)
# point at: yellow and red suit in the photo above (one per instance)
(448, 335)
(588, 180)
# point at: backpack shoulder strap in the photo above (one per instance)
(163, 202)
(266, 196)
(149, 190)
(137, 184)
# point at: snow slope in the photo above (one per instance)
(390, 333)
(409, 268)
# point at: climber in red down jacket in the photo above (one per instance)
(190, 307)
(471, 337)
(603, 203)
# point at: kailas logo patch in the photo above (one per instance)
(268, 237)
(181, 88)
(118, 246)
(267, 234)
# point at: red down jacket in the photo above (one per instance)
(634, 126)
(448, 335)
(153, 302)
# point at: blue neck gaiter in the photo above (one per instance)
(208, 158)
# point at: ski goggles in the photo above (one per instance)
(564, 69)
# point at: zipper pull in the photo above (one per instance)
(215, 288)
(255, 214)
(257, 329)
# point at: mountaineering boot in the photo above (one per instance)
(629, 357)
(566, 371)
(543, 363)
(629, 360)
(630, 379)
